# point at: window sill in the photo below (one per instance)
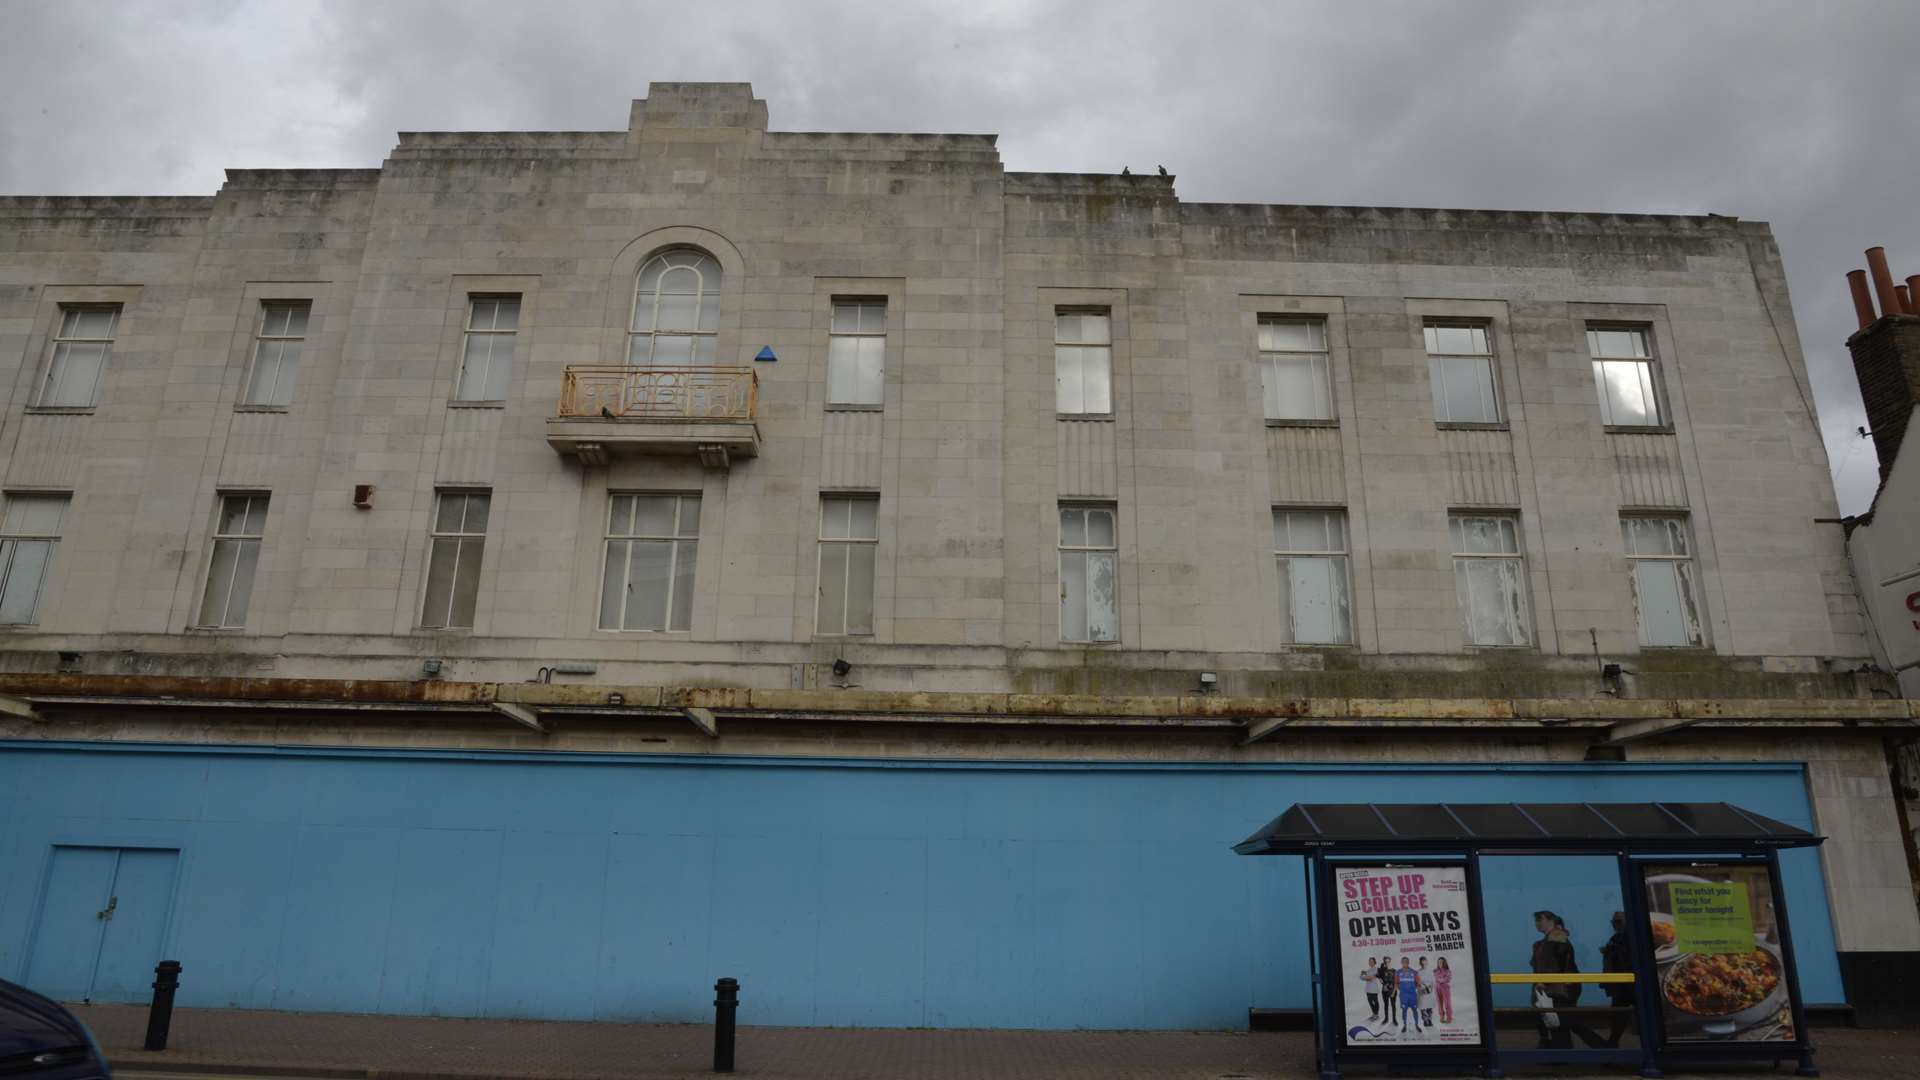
(838, 407)
(1067, 643)
(216, 630)
(657, 633)
(62, 410)
(1471, 647)
(1638, 429)
(263, 408)
(1272, 422)
(1105, 417)
(18, 627)
(1463, 425)
(457, 631)
(1320, 646)
(491, 403)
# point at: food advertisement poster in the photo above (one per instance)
(1406, 956)
(1717, 953)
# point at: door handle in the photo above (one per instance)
(107, 913)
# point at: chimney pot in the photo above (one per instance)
(1862, 300)
(1882, 281)
(1905, 297)
(1913, 295)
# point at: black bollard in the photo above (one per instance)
(166, 979)
(724, 1005)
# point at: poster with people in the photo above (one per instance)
(1716, 955)
(1406, 955)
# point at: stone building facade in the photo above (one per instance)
(699, 444)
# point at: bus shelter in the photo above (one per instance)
(1397, 919)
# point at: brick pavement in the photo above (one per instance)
(397, 1048)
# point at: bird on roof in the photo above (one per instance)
(1125, 171)
(606, 412)
(1163, 169)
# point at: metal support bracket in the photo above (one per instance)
(1627, 731)
(13, 706)
(521, 714)
(704, 720)
(1260, 729)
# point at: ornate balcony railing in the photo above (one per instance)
(659, 393)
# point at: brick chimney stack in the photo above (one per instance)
(1886, 355)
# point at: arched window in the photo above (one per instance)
(676, 310)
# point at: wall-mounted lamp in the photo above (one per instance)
(1209, 682)
(363, 496)
(69, 662)
(841, 668)
(430, 668)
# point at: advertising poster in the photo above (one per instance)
(1406, 956)
(1717, 953)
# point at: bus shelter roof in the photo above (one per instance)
(1306, 828)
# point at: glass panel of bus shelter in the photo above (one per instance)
(1419, 819)
(1569, 819)
(1493, 819)
(1552, 915)
(1348, 820)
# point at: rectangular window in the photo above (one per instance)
(81, 345)
(652, 543)
(1311, 548)
(1293, 369)
(1089, 585)
(1490, 579)
(857, 353)
(849, 538)
(1460, 364)
(453, 564)
(486, 352)
(29, 533)
(236, 555)
(1623, 376)
(1083, 363)
(1660, 557)
(276, 353)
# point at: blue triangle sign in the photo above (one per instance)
(765, 353)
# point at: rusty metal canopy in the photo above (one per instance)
(1306, 828)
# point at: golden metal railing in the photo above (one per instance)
(660, 393)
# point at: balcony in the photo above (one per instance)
(617, 411)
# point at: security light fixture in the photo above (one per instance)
(430, 668)
(1209, 682)
(69, 661)
(841, 668)
(363, 496)
(616, 698)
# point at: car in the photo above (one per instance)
(41, 1040)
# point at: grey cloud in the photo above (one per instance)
(1779, 111)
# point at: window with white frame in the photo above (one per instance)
(676, 310)
(1660, 557)
(652, 544)
(849, 540)
(1294, 374)
(276, 353)
(1310, 547)
(1082, 363)
(29, 534)
(458, 542)
(237, 533)
(1490, 579)
(1623, 376)
(1460, 366)
(856, 353)
(486, 350)
(81, 344)
(1089, 581)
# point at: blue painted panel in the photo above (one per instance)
(333, 944)
(897, 893)
(131, 945)
(66, 942)
(542, 964)
(440, 929)
(654, 930)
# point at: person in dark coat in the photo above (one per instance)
(1617, 956)
(1553, 955)
(1388, 991)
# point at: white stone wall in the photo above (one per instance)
(967, 455)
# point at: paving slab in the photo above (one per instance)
(238, 1042)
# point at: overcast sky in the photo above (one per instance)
(1802, 114)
